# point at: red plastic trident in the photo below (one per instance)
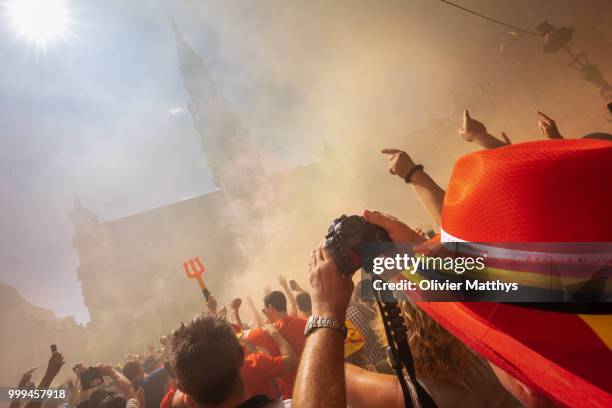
(194, 270)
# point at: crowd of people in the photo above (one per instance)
(296, 351)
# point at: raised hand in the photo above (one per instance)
(164, 341)
(222, 312)
(471, 129)
(236, 303)
(211, 303)
(548, 127)
(26, 377)
(55, 364)
(400, 162)
(105, 369)
(282, 280)
(295, 286)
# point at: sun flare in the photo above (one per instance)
(40, 22)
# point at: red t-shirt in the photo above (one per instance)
(258, 373)
(292, 329)
(166, 402)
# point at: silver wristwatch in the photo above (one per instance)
(317, 322)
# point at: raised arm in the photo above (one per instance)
(430, 194)
(320, 378)
(55, 364)
(287, 353)
(25, 379)
(124, 385)
(258, 320)
(211, 304)
(292, 309)
(165, 343)
(235, 316)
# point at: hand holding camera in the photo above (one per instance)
(332, 289)
(398, 231)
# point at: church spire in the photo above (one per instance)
(83, 220)
(229, 150)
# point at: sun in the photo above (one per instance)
(40, 22)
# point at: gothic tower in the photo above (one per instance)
(229, 150)
(89, 248)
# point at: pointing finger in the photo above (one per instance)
(544, 116)
(390, 151)
(506, 138)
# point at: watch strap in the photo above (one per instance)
(408, 178)
(318, 322)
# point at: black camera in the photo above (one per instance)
(90, 377)
(345, 241)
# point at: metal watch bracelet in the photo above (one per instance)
(318, 322)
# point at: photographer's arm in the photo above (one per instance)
(367, 389)
(292, 309)
(320, 378)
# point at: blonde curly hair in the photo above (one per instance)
(437, 353)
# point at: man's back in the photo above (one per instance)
(292, 329)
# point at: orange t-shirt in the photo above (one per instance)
(292, 329)
(258, 373)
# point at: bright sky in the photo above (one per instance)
(92, 103)
(85, 111)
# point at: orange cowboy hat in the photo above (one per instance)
(545, 191)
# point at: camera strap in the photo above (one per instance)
(399, 350)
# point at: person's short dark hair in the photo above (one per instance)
(598, 135)
(277, 299)
(131, 369)
(303, 302)
(363, 291)
(207, 359)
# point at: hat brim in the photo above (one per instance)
(560, 355)
(564, 356)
